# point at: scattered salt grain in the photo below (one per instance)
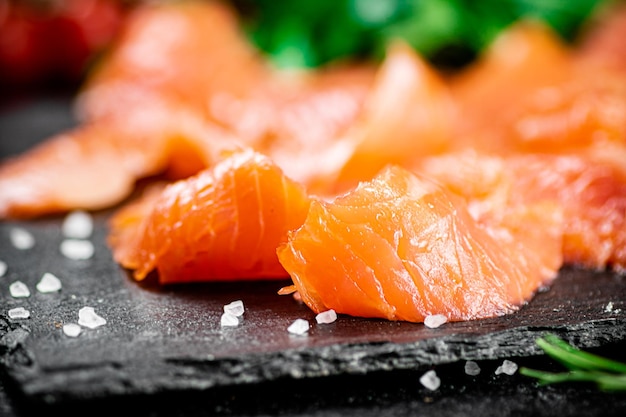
(611, 309)
(472, 368)
(19, 313)
(71, 329)
(430, 380)
(48, 283)
(508, 367)
(326, 317)
(235, 308)
(3, 268)
(434, 321)
(21, 238)
(77, 249)
(87, 317)
(229, 320)
(19, 290)
(298, 327)
(78, 225)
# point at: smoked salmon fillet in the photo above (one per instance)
(222, 224)
(402, 247)
(96, 165)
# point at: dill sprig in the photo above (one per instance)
(607, 374)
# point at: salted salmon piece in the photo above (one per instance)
(591, 189)
(96, 165)
(402, 247)
(523, 59)
(222, 224)
(194, 54)
(588, 110)
(181, 52)
(407, 114)
(589, 186)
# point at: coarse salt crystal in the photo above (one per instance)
(78, 225)
(235, 308)
(326, 317)
(435, 320)
(48, 283)
(87, 317)
(472, 368)
(609, 307)
(19, 290)
(508, 367)
(19, 313)
(3, 268)
(21, 238)
(430, 380)
(298, 327)
(77, 249)
(229, 320)
(72, 329)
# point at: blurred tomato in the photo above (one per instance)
(43, 41)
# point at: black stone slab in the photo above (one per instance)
(166, 344)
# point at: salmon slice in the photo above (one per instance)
(407, 114)
(591, 189)
(194, 54)
(589, 186)
(96, 165)
(527, 58)
(180, 52)
(401, 247)
(224, 223)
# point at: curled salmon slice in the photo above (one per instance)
(588, 185)
(401, 247)
(96, 165)
(224, 223)
(407, 114)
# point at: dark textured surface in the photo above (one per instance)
(163, 350)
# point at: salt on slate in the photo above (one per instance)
(21, 238)
(3, 268)
(229, 320)
(87, 317)
(430, 380)
(19, 313)
(77, 249)
(508, 367)
(19, 290)
(435, 320)
(298, 327)
(472, 368)
(326, 317)
(77, 224)
(48, 283)
(235, 308)
(72, 329)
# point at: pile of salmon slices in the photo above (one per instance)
(387, 190)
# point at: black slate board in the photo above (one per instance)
(164, 347)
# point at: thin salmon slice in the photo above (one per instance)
(526, 58)
(96, 165)
(589, 186)
(179, 52)
(402, 247)
(407, 114)
(224, 223)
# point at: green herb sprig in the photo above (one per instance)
(607, 374)
(311, 33)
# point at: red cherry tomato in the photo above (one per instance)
(46, 41)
